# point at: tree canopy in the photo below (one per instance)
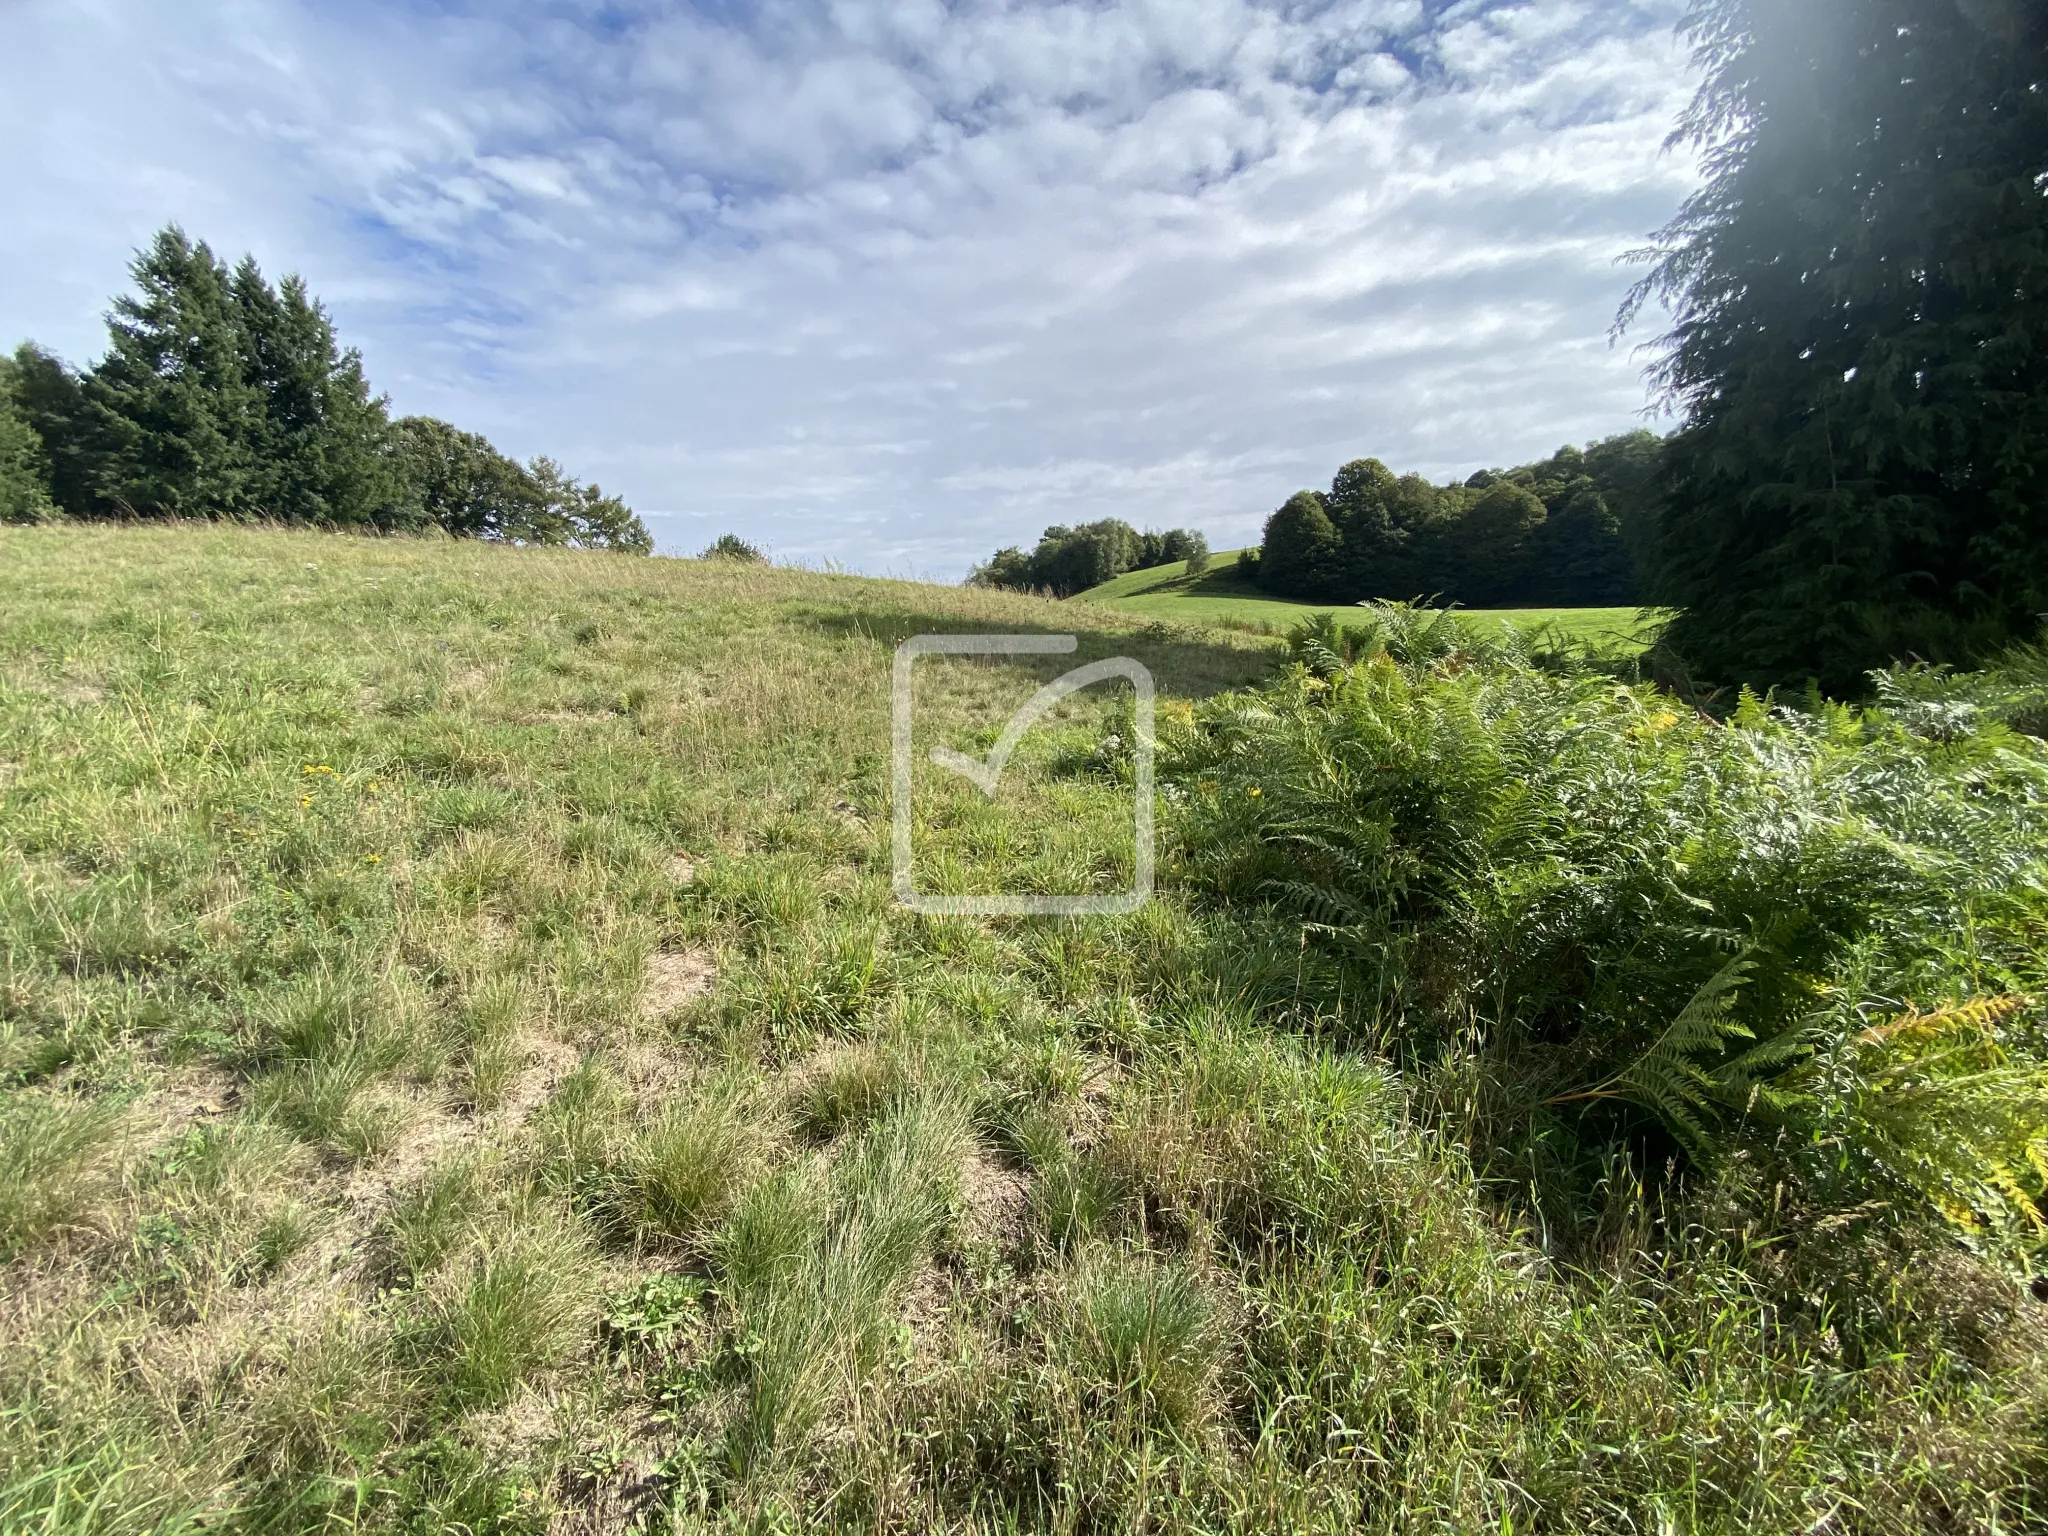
(1567, 531)
(1070, 560)
(222, 395)
(1860, 339)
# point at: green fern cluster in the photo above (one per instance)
(1679, 926)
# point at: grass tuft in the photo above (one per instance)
(57, 1157)
(1143, 1341)
(686, 1169)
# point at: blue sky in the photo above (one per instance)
(892, 284)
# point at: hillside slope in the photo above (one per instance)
(465, 1068)
(1219, 597)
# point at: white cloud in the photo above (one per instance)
(894, 283)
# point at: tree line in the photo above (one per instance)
(1570, 531)
(1859, 360)
(1070, 560)
(223, 395)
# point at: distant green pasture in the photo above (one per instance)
(1221, 597)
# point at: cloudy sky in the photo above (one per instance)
(892, 282)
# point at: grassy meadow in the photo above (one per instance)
(464, 1069)
(1219, 597)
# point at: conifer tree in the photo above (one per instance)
(1860, 293)
(171, 412)
(51, 400)
(318, 440)
(24, 466)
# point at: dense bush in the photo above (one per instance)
(1810, 936)
(730, 546)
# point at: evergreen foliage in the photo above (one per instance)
(170, 414)
(1861, 339)
(317, 438)
(222, 395)
(24, 467)
(1070, 560)
(51, 400)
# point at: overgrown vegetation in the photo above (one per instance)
(465, 1069)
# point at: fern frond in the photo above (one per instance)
(1980, 1014)
(1669, 1080)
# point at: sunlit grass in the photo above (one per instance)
(465, 1070)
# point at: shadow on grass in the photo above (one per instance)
(1184, 661)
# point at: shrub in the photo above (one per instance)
(731, 547)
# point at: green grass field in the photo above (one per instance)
(465, 1071)
(1219, 597)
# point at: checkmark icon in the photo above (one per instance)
(986, 772)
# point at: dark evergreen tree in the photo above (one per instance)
(1861, 338)
(221, 396)
(1300, 550)
(24, 466)
(171, 415)
(51, 399)
(318, 442)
